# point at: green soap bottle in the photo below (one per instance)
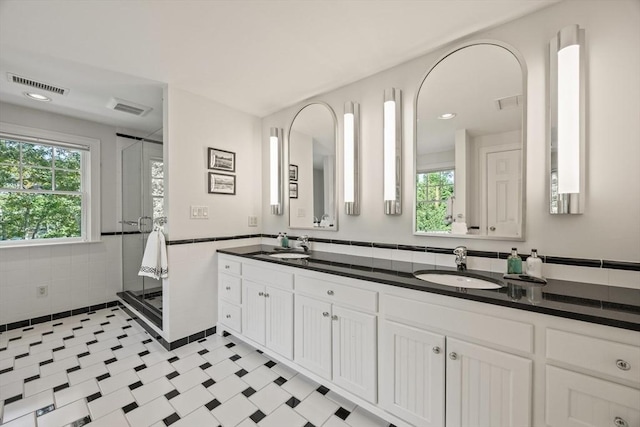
(514, 262)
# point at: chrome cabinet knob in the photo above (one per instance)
(329, 292)
(325, 314)
(228, 288)
(228, 316)
(436, 350)
(334, 317)
(492, 228)
(260, 294)
(226, 267)
(619, 422)
(453, 355)
(623, 365)
(266, 295)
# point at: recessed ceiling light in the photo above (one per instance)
(37, 96)
(447, 116)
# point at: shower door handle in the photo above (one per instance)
(140, 224)
(132, 223)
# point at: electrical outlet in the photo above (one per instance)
(253, 221)
(42, 291)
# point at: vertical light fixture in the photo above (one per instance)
(275, 170)
(392, 142)
(567, 92)
(351, 143)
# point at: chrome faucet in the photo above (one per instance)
(304, 242)
(461, 257)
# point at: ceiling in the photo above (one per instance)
(257, 56)
(468, 82)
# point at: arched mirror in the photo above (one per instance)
(470, 145)
(312, 168)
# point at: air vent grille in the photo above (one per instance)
(128, 107)
(508, 102)
(36, 84)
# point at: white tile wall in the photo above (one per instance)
(77, 275)
(600, 276)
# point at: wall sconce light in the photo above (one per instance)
(351, 142)
(567, 124)
(392, 141)
(275, 170)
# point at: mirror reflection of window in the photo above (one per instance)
(434, 195)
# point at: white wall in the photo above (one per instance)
(609, 229)
(193, 124)
(77, 275)
(301, 155)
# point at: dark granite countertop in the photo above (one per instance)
(606, 305)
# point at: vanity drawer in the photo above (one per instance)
(266, 276)
(231, 315)
(595, 354)
(503, 332)
(228, 266)
(338, 294)
(229, 288)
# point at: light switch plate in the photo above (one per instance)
(253, 221)
(199, 212)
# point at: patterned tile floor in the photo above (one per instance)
(103, 368)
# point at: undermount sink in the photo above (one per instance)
(457, 279)
(289, 255)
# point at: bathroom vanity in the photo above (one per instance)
(422, 354)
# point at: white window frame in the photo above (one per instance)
(90, 227)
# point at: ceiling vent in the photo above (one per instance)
(128, 107)
(14, 78)
(508, 102)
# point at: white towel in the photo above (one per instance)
(154, 261)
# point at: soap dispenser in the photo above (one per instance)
(279, 239)
(514, 262)
(534, 264)
(285, 241)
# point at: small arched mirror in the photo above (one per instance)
(312, 168)
(470, 145)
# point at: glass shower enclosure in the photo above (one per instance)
(142, 207)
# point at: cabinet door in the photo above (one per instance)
(354, 352)
(577, 400)
(254, 311)
(486, 387)
(313, 335)
(279, 321)
(412, 366)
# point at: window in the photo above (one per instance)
(157, 188)
(46, 188)
(433, 189)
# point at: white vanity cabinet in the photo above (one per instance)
(421, 359)
(575, 396)
(268, 308)
(335, 334)
(428, 377)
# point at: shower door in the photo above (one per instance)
(142, 203)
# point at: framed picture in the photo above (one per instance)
(222, 160)
(293, 190)
(293, 172)
(220, 183)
